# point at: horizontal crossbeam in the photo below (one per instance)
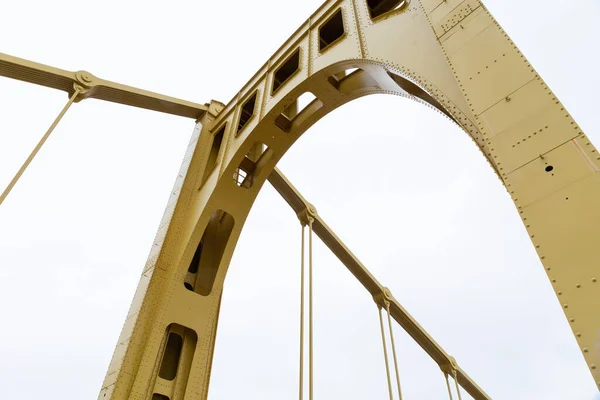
(96, 88)
(300, 206)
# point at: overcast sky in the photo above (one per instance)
(406, 190)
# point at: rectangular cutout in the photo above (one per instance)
(170, 360)
(242, 178)
(213, 155)
(357, 79)
(304, 103)
(204, 266)
(178, 348)
(378, 8)
(190, 277)
(286, 70)
(335, 79)
(246, 112)
(246, 172)
(331, 31)
(299, 105)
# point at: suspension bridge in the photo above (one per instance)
(459, 62)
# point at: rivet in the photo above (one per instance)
(578, 286)
(553, 280)
(594, 280)
(585, 350)
(572, 319)
(592, 366)
(559, 293)
(578, 334)
(566, 306)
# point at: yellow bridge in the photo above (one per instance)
(448, 55)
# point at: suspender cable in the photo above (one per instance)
(387, 304)
(310, 311)
(301, 383)
(385, 355)
(37, 148)
(448, 386)
(456, 383)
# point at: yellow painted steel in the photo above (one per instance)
(449, 54)
(382, 295)
(95, 88)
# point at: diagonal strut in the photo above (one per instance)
(447, 363)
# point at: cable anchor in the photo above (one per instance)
(384, 298)
(308, 215)
(451, 368)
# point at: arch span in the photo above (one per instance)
(449, 54)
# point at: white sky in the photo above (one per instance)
(404, 188)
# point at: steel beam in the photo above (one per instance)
(447, 363)
(96, 88)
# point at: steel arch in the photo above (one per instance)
(450, 54)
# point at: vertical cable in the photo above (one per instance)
(301, 383)
(385, 355)
(387, 304)
(448, 385)
(37, 148)
(456, 382)
(310, 311)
